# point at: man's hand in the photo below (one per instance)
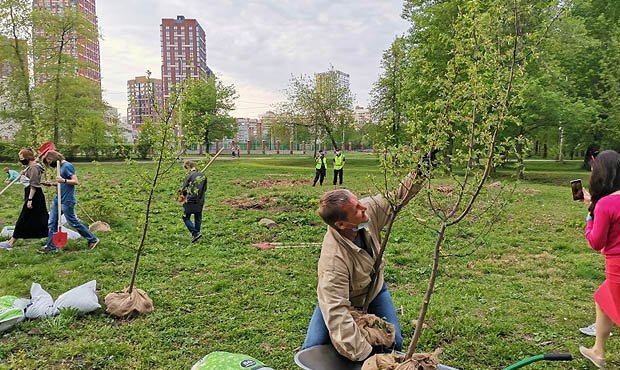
(61, 179)
(29, 204)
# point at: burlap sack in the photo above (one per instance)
(99, 226)
(377, 331)
(122, 304)
(394, 361)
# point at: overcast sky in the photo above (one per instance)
(254, 44)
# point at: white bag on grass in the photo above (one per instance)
(73, 235)
(7, 231)
(82, 298)
(41, 303)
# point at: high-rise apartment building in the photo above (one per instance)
(86, 50)
(339, 78)
(183, 52)
(143, 97)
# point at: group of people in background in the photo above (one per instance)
(34, 221)
(320, 166)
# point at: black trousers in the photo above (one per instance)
(319, 176)
(338, 174)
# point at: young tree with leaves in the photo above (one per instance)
(464, 60)
(205, 111)
(323, 104)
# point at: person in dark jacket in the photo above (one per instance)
(193, 190)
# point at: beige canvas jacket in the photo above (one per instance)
(345, 272)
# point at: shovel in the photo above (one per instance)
(60, 237)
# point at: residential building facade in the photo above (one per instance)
(144, 97)
(183, 52)
(85, 49)
(324, 79)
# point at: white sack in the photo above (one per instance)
(41, 303)
(82, 298)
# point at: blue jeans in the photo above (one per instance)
(193, 228)
(68, 210)
(381, 306)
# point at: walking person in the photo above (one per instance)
(603, 234)
(320, 165)
(32, 221)
(194, 189)
(68, 180)
(338, 165)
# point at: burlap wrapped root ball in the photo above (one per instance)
(123, 303)
(376, 331)
(99, 226)
(396, 361)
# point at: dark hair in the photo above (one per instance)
(330, 206)
(605, 177)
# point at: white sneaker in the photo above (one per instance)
(590, 330)
(6, 245)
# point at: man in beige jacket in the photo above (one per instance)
(346, 268)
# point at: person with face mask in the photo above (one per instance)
(68, 180)
(32, 221)
(350, 248)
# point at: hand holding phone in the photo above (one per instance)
(577, 189)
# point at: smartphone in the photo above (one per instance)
(577, 189)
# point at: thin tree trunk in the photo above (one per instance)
(56, 116)
(25, 76)
(429, 293)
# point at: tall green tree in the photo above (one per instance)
(324, 104)
(205, 111)
(68, 96)
(466, 61)
(15, 43)
(386, 106)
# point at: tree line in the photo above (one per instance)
(566, 94)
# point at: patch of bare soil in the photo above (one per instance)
(272, 183)
(255, 203)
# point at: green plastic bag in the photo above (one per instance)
(229, 361)
(9, 313)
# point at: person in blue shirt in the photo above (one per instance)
(68, 181)
(10, 175)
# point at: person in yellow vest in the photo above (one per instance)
(320, 165)
(338, 165)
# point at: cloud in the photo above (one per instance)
(255, 45)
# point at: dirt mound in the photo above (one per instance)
(254, 203)
(272, 183)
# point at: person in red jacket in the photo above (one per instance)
(603, 234)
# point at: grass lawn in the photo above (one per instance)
(525, 291)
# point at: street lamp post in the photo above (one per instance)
(560, 156)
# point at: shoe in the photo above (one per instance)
(48, 249)
(591, 330)
(6, 245)
(92, 245)
(196, 238)
(597, 361)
